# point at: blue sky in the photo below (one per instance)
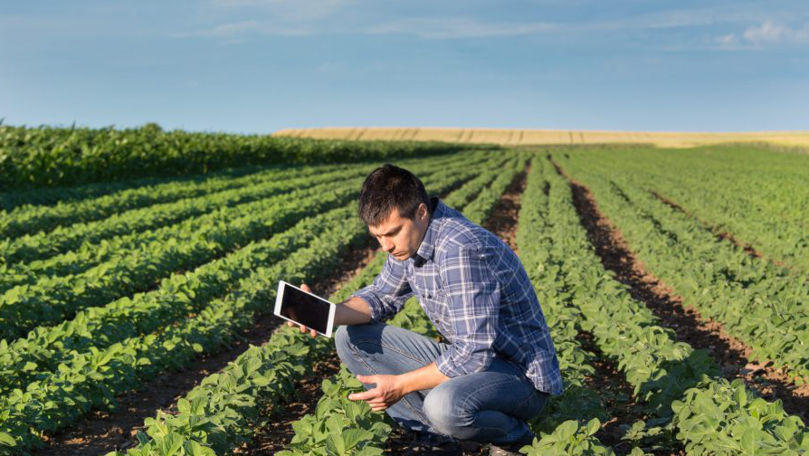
(256, 66)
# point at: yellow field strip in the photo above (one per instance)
(526, 137)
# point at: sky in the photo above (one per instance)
(257, 66)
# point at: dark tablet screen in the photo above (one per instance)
(305, 309)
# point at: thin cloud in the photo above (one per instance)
(237, 29)
(289, 10)
(454, 28)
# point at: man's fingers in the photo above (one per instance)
(364, 396)
(313, 333)
(306, 288)
(366, 378)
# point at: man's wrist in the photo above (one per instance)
(401, 383)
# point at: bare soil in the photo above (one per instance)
(732, 355)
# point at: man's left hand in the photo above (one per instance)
(387, 391)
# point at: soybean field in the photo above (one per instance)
(139, 270)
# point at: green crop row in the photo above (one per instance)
(45, 156)
(91, 380)
(759, 303)
(29, 199)
(30, 219)
(569, 421)
(177, 295)
(680, 387)
(226, 422)
(66, 238)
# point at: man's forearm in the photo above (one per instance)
(353, 311)
(421, 379)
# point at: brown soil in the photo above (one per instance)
(732, 355)
(101, 431)
(503, 220)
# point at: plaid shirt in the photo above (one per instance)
(476, 292)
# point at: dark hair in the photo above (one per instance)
(389, 187)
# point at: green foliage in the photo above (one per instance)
(570, 438)
(682, 387)
(46, 156)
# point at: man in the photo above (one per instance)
(500, 364)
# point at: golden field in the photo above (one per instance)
(527, 137)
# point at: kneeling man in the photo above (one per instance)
(499, 364)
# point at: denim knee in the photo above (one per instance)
(443, 407)
(342, 342)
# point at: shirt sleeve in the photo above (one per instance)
(474, 298)
(388, 292)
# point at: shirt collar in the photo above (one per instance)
(427, 247)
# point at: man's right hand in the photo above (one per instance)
(303, 328)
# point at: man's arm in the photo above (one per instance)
(352, 311)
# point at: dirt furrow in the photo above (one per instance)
(732, 355)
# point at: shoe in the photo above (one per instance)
(512, 448)
(430, 443)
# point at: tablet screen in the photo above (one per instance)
(304, 308)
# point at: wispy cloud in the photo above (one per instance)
(769, 32)
(234, 30)
(289, 10)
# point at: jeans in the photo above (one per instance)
(491, 406)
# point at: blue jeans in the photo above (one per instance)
(487, 407)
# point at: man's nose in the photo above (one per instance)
(386, 245)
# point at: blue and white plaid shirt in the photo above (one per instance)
(476, 292)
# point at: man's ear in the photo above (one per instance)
(422, 212)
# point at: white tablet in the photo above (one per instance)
(298, 306)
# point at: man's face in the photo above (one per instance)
(401, 236)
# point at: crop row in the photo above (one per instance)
(680, 387)
(65, 238)
(171, 432)
(569, 421)
(30, 219)
(92, 379)
(763, 305)
(177, 295)
(45, 156)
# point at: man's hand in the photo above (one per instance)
(312, 332)
(387, 391)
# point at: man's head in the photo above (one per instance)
(396, 208)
